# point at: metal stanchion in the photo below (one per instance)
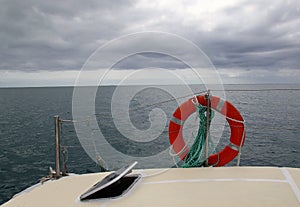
(207, 97)
(57, 167)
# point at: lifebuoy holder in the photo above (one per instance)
(233, 117)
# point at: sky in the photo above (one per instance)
(46, 43)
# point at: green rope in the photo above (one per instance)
(196, 156)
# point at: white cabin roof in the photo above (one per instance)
(222, 186)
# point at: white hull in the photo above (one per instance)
(224, 186)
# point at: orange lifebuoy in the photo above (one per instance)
(233, 117)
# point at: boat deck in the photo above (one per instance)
(224, 186)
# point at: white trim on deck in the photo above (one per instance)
(292, 183)
(216, 180)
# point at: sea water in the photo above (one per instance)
(27, 129)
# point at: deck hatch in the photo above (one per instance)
(113, 185)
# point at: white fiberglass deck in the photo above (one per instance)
(224, 186)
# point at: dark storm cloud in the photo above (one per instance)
(61, 35)
(269, 37)
(148, 60)
(55, 35)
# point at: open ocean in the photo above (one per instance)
(27, 129)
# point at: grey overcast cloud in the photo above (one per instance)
(46, 43)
